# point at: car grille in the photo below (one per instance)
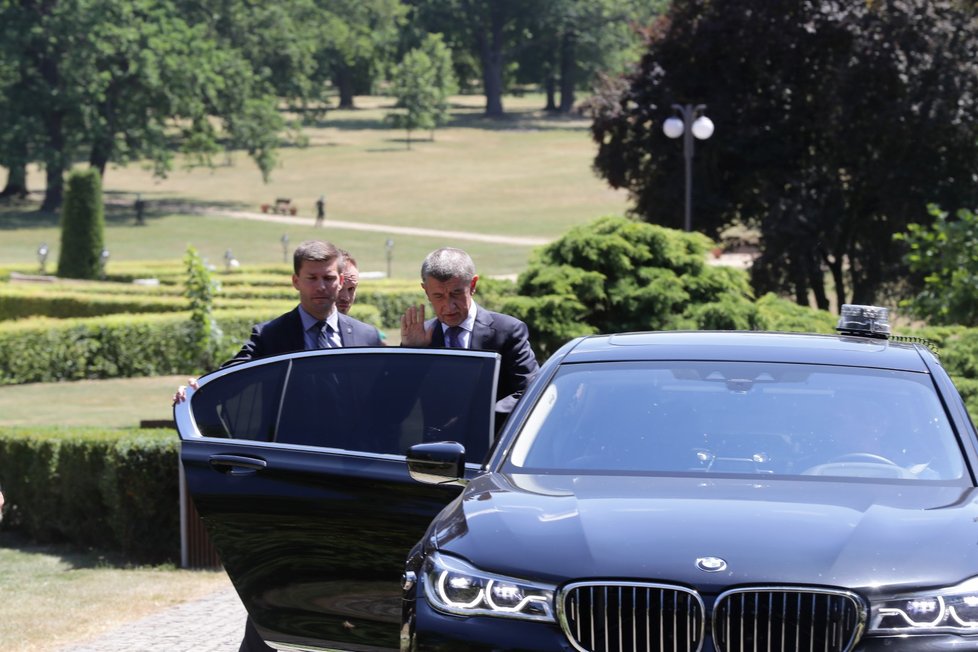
(633, 617)
(799, 620)
(612, 617)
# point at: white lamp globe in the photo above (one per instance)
(673, 127)
(703, 127)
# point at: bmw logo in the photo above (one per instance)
(711, 564)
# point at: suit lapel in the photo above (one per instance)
(437, 334)
(295, 333)
(346, 330)
(482, 331)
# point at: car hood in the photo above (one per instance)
(854, 534)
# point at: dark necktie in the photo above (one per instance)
(324, 334)
(453, 337)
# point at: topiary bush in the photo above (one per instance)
(82, 226)
(616, 274)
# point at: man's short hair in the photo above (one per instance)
(316, 251)
(347, 259)
(447, 263)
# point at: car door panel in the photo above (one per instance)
(313, 532)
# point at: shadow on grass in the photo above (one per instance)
(119, 211)
(461, 117)
(72, 556)
(539, 120)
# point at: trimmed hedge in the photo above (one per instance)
(81, 299)
(123, 346)
(117, 346)
(18, 303)
(112, 490)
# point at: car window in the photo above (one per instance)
(241, 405)
(753, 418)
(356, 401)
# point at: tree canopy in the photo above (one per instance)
(111, 81)
(836, 125)
(422, 83)
(943, 260)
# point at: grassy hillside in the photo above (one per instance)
(528, 174)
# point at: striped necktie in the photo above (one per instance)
(324, 335)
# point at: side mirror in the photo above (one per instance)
(441, 462)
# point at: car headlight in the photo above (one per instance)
(455, 587)
(951, 610)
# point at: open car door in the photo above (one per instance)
(296, 464)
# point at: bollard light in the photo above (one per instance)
(103, 261)
(389, 245)
(285, 247)
(42, 256)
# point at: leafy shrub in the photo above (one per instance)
(20, 302)
(777, 314)
(204, 333)
(118, 346)
(942, 258)
(82, 226)
(617, 274)
(114, 490)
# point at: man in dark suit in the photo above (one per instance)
(315, 323)
(449, 280)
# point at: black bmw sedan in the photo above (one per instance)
(677, 491)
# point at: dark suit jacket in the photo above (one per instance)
(507, 336)
(284, 335)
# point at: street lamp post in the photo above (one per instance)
(688, 126)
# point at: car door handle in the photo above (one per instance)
(237, 464)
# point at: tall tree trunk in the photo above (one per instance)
(344, 84)
(55, 190)
(99, 156)
(550, 85)
(838, 278)
(54, 163)
(799, 279)
(817, 282)
(103, 139)
(568, 71)
(52, 117)
(491, 52)
(16, 181)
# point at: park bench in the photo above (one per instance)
(282, 205)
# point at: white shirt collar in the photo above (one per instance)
(308, 320)
(468, 324)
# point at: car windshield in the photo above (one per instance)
(744, 418)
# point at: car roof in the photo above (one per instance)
(750, 346)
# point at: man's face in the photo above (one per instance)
(318, 284)
(348, 292)
(451, 299)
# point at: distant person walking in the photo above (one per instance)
(320, 210)
(140, 207)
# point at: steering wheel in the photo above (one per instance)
(863, 457)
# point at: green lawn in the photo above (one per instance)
(526, 175)
(57, 597)
(116, 403)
